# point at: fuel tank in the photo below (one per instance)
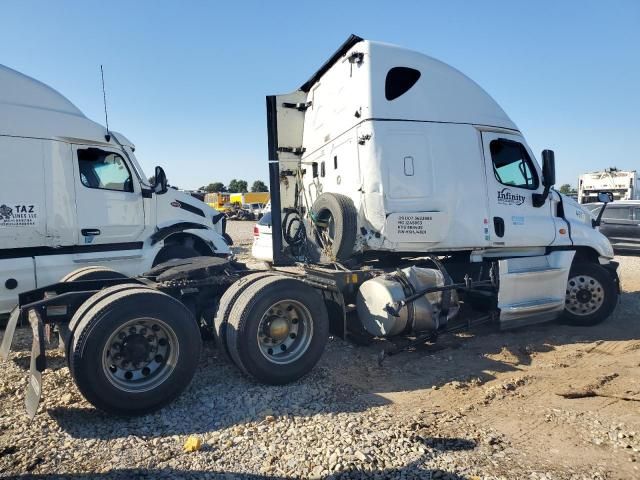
(419, 316)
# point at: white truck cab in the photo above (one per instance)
(386, 151)
(72, 194)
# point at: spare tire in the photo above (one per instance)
(336, 221)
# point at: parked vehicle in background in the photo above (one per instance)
(72, 194)
(255, 208)
(249, 198)
(622, 184)
(218, 200)
(620, 224)
(262, 248)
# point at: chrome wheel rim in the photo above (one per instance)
(140, 355)
(585, 295)
(285, 331)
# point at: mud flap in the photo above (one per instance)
(38, 364)
(9, 331)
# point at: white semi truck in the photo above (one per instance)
(72, 194)
(623, 185)
(400, 188)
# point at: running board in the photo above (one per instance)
(532, 289)
(529, 313)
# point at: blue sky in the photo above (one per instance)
(186, 80)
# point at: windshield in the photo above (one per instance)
(266, 219)
(136, 166)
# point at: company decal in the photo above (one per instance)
(507, 197)
(18, 215)
(176, 204)
(517, 220)
(580, 214)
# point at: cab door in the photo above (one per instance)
(109, 201)
(512, 179)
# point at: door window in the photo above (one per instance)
(512, 165)
(617, 213)
(104, 170)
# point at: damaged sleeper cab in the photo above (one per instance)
(389, 153)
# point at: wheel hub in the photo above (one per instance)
(584, 296)
(135, 349)
(285, 331)
(278, 329)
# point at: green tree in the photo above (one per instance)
(214, 187)
(259, 186)
(566, 189)
(238, 186)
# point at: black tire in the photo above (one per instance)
(245, 319)
(227, 301)
(91, 273)
(175, 251)
(88, 305)
(81, 274)
(339, 209)
(596, 297)
(91, 366)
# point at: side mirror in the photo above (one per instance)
(548, 168)
(160, 186)
(605, 197)
(548, 177)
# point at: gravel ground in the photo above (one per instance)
(479, 405)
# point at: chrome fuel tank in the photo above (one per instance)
(418, 316)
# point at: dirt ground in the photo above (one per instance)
(512, 381)
(477, 405)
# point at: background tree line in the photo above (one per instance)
(235, 186)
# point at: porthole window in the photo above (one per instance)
(399, 81)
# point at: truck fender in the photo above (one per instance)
(212, 238)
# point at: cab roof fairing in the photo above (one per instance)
(30, 108)
(442, 93)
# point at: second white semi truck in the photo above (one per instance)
(623, 185)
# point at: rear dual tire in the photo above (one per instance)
(276, 328)
(134, 350)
